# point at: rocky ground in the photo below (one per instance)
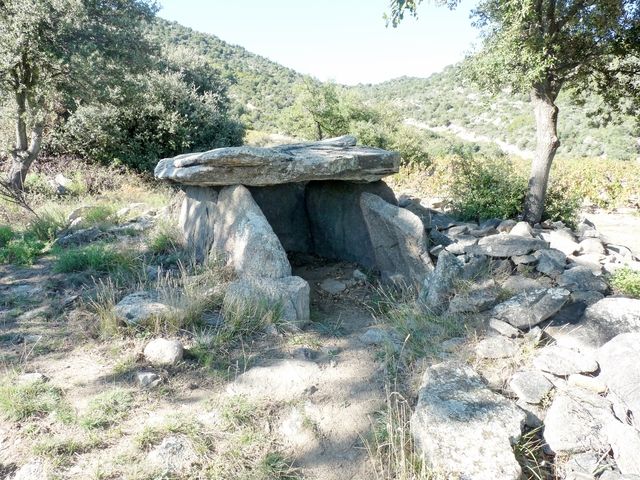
(517, 360)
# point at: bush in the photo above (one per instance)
(626, 281)
(21, 251)
(6, 235)
(484, 188)
(46, 226)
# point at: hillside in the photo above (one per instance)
(445, 100)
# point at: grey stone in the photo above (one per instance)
(31, 378)
(398, 239)
(33, 470)
(333, 286)
(619, 359)
(490, 223)
(175, 454)
(523, 229)
(476, 267)
(518, 284)
(483, 232)
(585, 464)
(162, 351)
(575, 422)
(439, 238)
(592, 261)
(461, 243)
(463, 429)
(531, 387)
(452, 344)
(505, 226)
(531, 307)
(140, 308)
(289, 296)
(562, 240)
(338, 227)
(332, 159)
(592, 245)
(625, 443)
(458, 230)
(442, 221)
(496, 347)
(506, 245)
(503, 328)
(359, 276)
(80, 237)
(243, 235)
(563, 361)
(586, 297)
(593, 384)
(478, 298)
(581, 278)
(148, 379)
(197, 219)
(616, 475)
(377, 336)
(439, 286)
(607, 318)
(524, 259)
(551, 262)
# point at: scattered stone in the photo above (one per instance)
(359, 276)
(442, 221)
(33, 470)
(458, 230)
(581, 278)
(491, 223)
(582, 466)
(331, 159)
(42, 312)
(496, 347)
(452, 344)
(162, 351)
(435, 251)
(531, 387)
(562, 240)
(478, 298)
(531, 307)
(619, 359)
(148, 379)
(591, 261)
(483, 232)
(575, 422)
(593, 384)
(398, 239)
(332, 286)
(80, 237)
(563, 361)
(505, 226)
(506, 246)
(462, 428)
(289, 296)
(175, 454)
(519, 284)
(524, 259)
(304, 353)
(439, 285)
(586, 297)
(616, 475)
(440, 239)
(522, 229)
(625, 443)
(503, 328)
(461, 243)
(140, 308)
(376, 336)
(592, 245)
(79, 212)
(551, 262)
(295, 432)
(476, 267)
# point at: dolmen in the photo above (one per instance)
(251, 206)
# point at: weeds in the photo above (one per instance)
(626, 281)
(23, 401)
(165, 239)
(61, 450)
(107, 409)
(529, 452)
(97, 257)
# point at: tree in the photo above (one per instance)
(59, 53)
(543, 46)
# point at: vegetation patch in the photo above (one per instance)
(626, 281)
(22, 401)
(107, 409)
(61, 450)
(97, 257)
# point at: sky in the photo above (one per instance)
(342, 40)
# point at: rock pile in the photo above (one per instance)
(535, 286)
(253, 205)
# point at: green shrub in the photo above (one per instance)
(100, 216)
(562, 204)
(484, 188)
(21, 251)
(6, 235)
(626, 281)
(106, 409)
(166, 238)
(46, 226)
(97, 257)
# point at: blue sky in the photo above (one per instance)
(342, 40)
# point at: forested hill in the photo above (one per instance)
(261, 89)
(258, 87)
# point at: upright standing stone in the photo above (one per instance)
(197, 219)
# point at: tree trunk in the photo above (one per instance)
(23, 154)
(547, 142)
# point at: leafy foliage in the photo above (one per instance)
(626, 281)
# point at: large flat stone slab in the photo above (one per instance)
(464, 430)
(332, 159)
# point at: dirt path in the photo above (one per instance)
(316, 391)
(618, 228)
